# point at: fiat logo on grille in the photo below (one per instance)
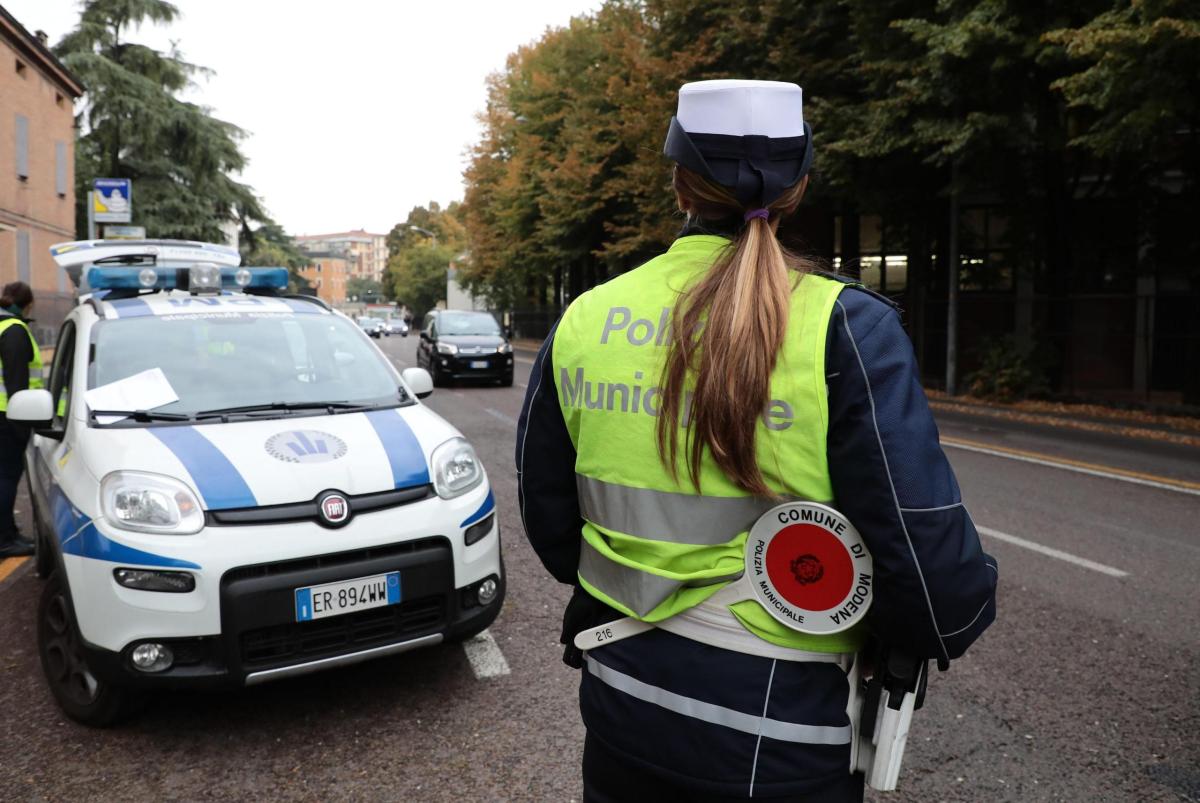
(334, 509)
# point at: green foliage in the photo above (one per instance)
(359, 288)
(1136, 82)
(1016, 99)
(420, 251)
(1007, 372)
(182, 160)
(567, 179)
(270, 246)
(419, 276)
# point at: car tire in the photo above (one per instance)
(81, 695)
(507, 380)
(439, 380)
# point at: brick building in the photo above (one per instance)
(328, 273)
(367, 253)
(37, 168)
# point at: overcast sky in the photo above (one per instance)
(356, 113)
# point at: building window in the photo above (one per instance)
(24, 266)
(59, 100)
(60, 169)
(21, 68)
(22, 146)
(984, 251)
(883, 263)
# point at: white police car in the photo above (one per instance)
(232, 485)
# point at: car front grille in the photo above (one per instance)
(335, 559)
(338, 635)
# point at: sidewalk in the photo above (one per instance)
(1180, 430)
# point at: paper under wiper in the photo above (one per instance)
(144, 391)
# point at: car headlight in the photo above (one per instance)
(150, 503)
(447, 348)
(456, 469)
(504, 348)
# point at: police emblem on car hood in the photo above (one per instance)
(305, 446)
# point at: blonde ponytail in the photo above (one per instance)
(726, 332)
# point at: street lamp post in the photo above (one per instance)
(432, 235)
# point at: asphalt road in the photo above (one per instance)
(1087, 687)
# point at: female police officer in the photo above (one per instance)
(667, 412)
(20, 368)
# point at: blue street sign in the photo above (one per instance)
(112, 200)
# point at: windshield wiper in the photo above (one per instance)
(282, 406)
(143, 415)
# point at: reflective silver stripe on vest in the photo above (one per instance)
(637, 590)
(666, 516)
(716, 714)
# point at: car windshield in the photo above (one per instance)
(279, 361)
(467, 323)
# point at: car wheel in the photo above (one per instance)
(439, 381)
(81, 695)
(507, 380)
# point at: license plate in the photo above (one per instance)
(331, 599)
(479, 363)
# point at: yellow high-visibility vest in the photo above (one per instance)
(652, 546)
(35, 365)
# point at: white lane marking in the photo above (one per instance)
(1052, 552)
(508, 419)
(485, 657)
(1068, 467)
(522, 385)
(527, 362)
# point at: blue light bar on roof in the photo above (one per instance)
(131, 278)
(258, 279)
(136, 277)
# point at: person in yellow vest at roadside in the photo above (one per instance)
(724, 388)
(20, 368)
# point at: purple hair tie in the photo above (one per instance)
(765, 214)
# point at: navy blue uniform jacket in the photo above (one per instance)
(935, 587)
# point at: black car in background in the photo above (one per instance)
(461, 344)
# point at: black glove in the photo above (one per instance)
(583, 613)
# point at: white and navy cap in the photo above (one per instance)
(747, 136)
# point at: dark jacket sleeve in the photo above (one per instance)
(935, 587)
(546, 488)
(16, 352)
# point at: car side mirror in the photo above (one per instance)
(419, 381)
(33, 408)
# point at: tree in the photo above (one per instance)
(270, 246)
(562, 190)
(359, 288)
(420, 250)
(419, 276)
(180, 158)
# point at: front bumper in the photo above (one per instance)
(480, 366)
(261, 641)
(239, 625)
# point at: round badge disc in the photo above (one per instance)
(809, 568)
